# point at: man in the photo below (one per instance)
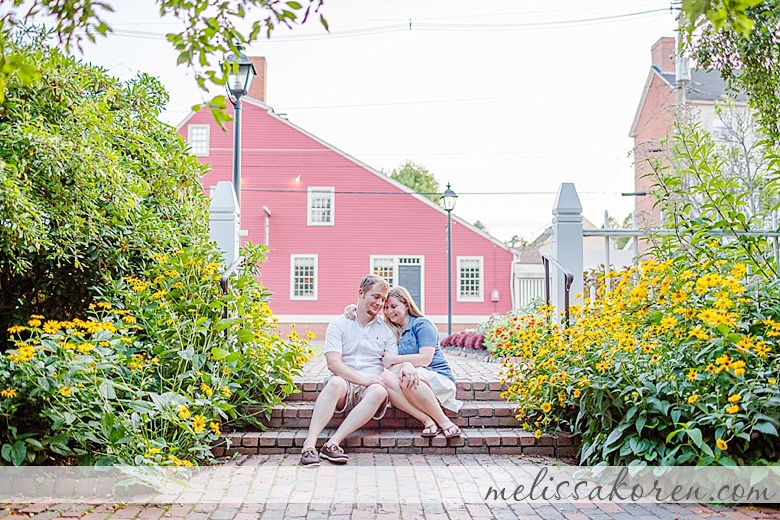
(353, 351)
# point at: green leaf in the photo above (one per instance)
(18, 453)
(696, 437)
(245, 335)
(106, 389)
(640, 423)
(219, 353)
(766, 428)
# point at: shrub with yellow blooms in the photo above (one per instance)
(153, 373)
(673, 363)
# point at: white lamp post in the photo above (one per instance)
(448, 200)
(240, 72)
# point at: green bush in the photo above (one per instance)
(153, 373)
(91, 184)
(110, 303)
(677, 361)
(672, 366)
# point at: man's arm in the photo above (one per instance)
(337, 366)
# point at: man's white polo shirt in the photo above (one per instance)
(361, 347)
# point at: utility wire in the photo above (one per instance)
(351, 192)
(411, 25)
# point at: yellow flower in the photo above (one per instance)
(206, 389)
(184, 412)
(226, 392)
(734, 408)
(66, 390)
(739, 270)
(667, 323)
(577, 393)
(310, 334)
(761, 349)
(34, 322)
(692, 374)
(734, 398)
(546, 407)
(215, 428)
(15, 328)
(104, 305)
(692, 399)
(175, 460)
(85, 348)
(538, 433)
(721, 444)
(198, 423)
(772, 381)
(8, 392)
(738, 367)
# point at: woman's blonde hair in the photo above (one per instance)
(402, 295)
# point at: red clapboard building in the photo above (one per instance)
(328, 219)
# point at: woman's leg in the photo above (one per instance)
(424, 399)
(399, 400)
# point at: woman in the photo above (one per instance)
(418, 380)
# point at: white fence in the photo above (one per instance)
(570, 250)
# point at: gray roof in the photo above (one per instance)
(704, 85)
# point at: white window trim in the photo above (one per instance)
(481, 297)
(319, 189)
(190, 128)
(396, 263)
(292, 277)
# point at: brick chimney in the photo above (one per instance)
(663, 52)
(258, 86)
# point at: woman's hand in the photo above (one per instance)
(350, 311)
(389, 360)
(408, 375)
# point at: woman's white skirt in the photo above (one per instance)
(443, 388)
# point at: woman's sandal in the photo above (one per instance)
(451, 431)
(430, 431)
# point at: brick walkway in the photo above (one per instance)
(327, 495)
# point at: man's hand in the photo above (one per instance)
(374, 380)
(408, 375)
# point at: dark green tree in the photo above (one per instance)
(742, 44)
(418, 178)
(211, 31)
(92, 183)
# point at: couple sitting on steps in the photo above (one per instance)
(373, 359)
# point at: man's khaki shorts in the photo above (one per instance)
(354, 395)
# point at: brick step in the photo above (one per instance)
(506, 441)
(466, 390)
(495, 414)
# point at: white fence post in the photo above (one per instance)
(567, 245)
(225, 221)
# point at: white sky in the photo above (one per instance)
(504, 99)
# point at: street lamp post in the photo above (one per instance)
(240, 72)
(448, 200)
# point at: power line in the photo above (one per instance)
(411, 25)
(352, 192)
